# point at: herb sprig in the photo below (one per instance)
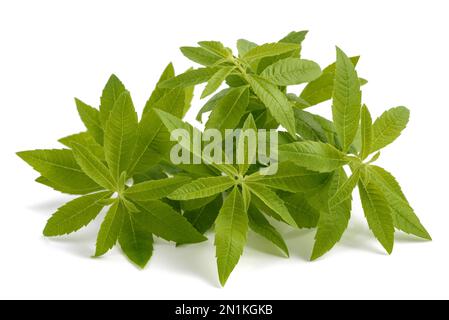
(121, 164)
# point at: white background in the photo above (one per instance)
(51, 51)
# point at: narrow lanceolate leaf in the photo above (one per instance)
(203, 218)
(404, 217)
(120, 135)
(269, 50)
(308, 127)
(91, 119)
(173, 123)
(275, 101)
(152, 136)
(333, 221)
(321, 89)
(377, 213)
(388, 127)
(194, 204)
(189, 78)
(216, 47)
(212, 103)
(346, 100)
(85, 139)
(61, 169)
(344, 192)
(93, 167)
(202, 188)
(243, 46)
(201, 55)
(291, 71)
(366, 126)
(75, 214)
(111, 92)
(229, 110)
(295, 37)
(272, 201)
(160, 219)
(305, 215)
(260, 225)
(243, 145)
(216, 80)
(231, 228)
(158, 93)
(135, 241)
(291, 177)
(315, 156)
(110, 228)
(246, 194)
(155, 189)
(64, 189)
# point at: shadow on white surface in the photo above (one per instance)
(359, 237)
(194, 260)
(48, 207)
(401, 237)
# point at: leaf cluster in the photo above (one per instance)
(121, 165)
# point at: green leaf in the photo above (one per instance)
(229, 110)
(295, 37)
(161, 220)
(189, 78)
(315, 156)
(260, 225)
(91, 119)
(321, 89)
(272, 201)
(378, 214)
(404, 217)
(346, 100)
(291, 71)
(216, 47)
(388, 127)
(212, 103)
(110, 228)
(200, 55)
(189, 93)
(344, 192)
(75, 214)
(308, 127)
(85, 139)
(305, 215)
(203, 218)
(275, 101)
(269, 50)
(111, 92)
(290, 177)
(333, 221)
(61, 169)
(246, 194)
(243, 46)
(216, 80)
(155, 189)
(135, 241)
(158, 93)
(120, 135)
(61, 188)
(93, 167)
(366, 132)
(231, 228)
(195, 204)
(202, 188)
(173, 123)
(153, 139)
(243, 144)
